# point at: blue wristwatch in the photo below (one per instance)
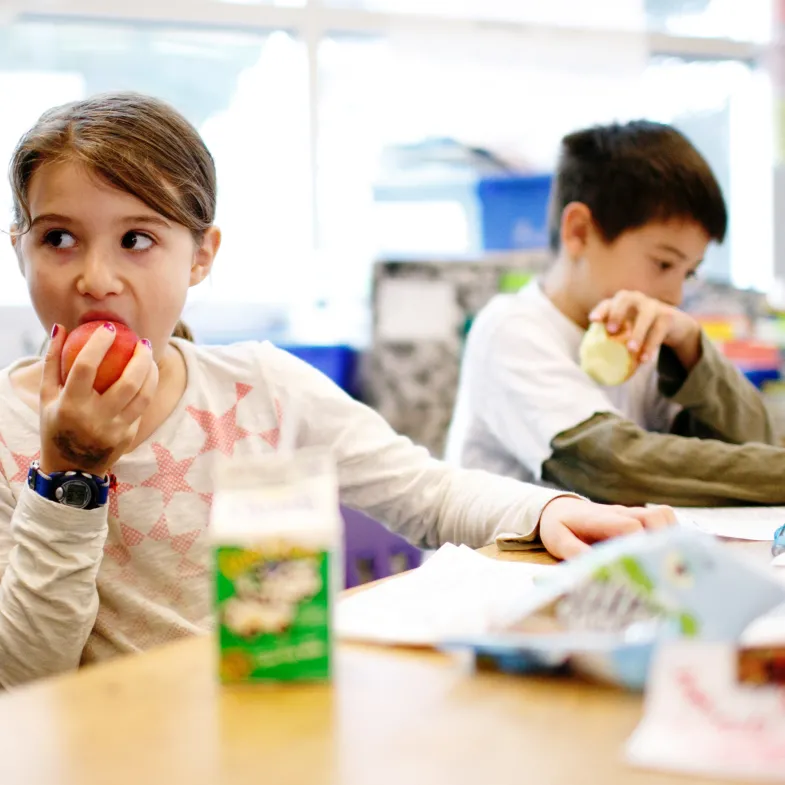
(73, 489)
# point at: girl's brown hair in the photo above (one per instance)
(135, 143)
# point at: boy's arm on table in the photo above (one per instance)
(49, 560)
(717, 400)
(386, 476)
(611, 459)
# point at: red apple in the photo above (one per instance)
(113, 364)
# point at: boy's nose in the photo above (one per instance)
(673, 295)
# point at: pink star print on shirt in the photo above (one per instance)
(117, 490)
(170, 477)
(273, 435)
(22, 462)
(222, 433)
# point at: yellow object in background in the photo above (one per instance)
(721, 329)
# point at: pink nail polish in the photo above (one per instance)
(147, 343)
(633, 346)
(55, 330)
(611, 327)
(109, 326)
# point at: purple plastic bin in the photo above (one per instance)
(367, 541)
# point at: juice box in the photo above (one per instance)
(276, 529)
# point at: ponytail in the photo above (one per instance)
(182, 330)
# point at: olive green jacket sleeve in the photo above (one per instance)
(720, 452)
(717, 400)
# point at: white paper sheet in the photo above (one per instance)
(735, 523)
(700, 720)
(456, 592)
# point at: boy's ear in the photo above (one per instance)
(576, 227)
(205, 255)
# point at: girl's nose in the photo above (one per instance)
(97, 277)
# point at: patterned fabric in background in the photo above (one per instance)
(413, 382)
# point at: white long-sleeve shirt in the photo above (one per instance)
(80, 586)
(525, 409)
(521, 385)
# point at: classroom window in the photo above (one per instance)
(378, 92)
(700, 18)
(726, 108)
(299, 131)
(748, 20)
(247, 95)
(281, 3)
(482, 90)
(569, 13)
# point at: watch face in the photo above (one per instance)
(74, 493)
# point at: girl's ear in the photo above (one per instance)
(15, 242)
(205, 255)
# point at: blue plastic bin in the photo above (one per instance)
(514, 212)
(759, 376)
(502, 213)
(339, 363)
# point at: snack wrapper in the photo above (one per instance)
(604, 613)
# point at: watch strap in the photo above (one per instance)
(46, 484)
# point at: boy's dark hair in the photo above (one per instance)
(629, 175)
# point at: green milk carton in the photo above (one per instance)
(276, 531)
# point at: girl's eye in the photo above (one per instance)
(692, 274)
(664, 266)
(60, 239)
(136, 241)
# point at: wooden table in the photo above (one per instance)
(391, 717)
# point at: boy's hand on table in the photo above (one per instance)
(652, 324)
(569, 526)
